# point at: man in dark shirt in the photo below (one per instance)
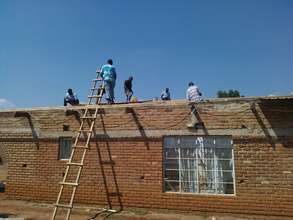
(165, 95)
(128, 88)
(71, 98)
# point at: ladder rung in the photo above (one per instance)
(88, 117)
(98, 88)
(109, 210)
(95, 96)
(111, 162)
(74, 164)
(64, 206)
(80, 146)
(114, 194)
(68, 184)
(88, 131)
(97, 79)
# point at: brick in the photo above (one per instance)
(263, 162)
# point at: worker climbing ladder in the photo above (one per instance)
(77, 159)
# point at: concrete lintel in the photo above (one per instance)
(274, 133)
(153, 104)
(232, 132)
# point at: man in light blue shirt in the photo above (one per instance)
(108, 73)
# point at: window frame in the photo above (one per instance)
(197, 181)
(62, 140)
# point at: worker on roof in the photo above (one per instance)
(108, 73)
(128, 88)
(165, 95)
(192, 93)
(71, 98)
(133, 99)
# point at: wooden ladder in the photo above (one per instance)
(96, 93)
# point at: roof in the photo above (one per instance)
(170, 103)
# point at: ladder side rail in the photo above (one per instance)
(87, 142)
(77, 139)
(101, 92)
(92, 92)
(71, 202)
(62, 186)
(86, 111)
(75, 187)
(104, 177)
(79, 172)
(90, 134)
(66, 174)
(114, 177)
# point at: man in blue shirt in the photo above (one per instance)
(108, 73)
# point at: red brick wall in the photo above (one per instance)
(263, 151)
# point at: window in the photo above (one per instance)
(64, 148)
(194, 164)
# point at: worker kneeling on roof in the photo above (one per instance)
(71, 98)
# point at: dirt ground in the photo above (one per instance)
(14, 209)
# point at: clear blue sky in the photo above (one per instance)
(49, 46)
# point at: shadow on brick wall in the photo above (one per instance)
(139, 127)
(106, 162)
(31, 124)
(279, 114)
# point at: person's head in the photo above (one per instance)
(70, 91)
(190, 84)
(167, 89)
(130, 78)
(110, 61)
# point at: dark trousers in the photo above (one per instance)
(128, 94)
(71, 101)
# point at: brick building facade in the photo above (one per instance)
(240, 160)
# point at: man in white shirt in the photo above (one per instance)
(192, 93)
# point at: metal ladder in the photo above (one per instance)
(96, 93)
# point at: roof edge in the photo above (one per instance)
(155, 103)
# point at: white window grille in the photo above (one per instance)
(199, 164)
(65, 148)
